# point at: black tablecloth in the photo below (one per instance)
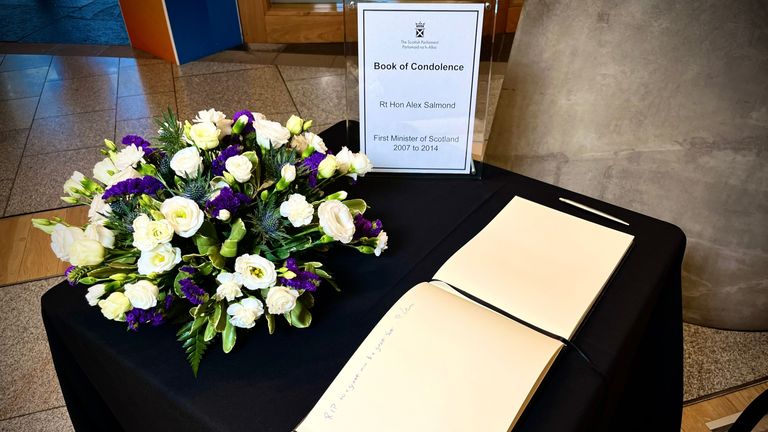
(113, 379)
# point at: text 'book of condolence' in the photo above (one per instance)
(467, 351)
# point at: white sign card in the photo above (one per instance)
(418, 66)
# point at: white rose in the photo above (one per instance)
(129, 157)
(281, 299)
(205, 135)
(148, 233)
(94, 294)
(183, 214)
(142, 294)
(270, 133)
(288, 172)
(104, 170)
(299, 143)
(125, 174)
(381, 243)
(85, 252)
(62, 238)
(187, 163)
(224, 215)
(344, 160)
(159, 259)
(99, 210)
(240, 167)
(316, 142)
(101, 234)
(255, 272)
(245, 313)
(73, 186)
(336, 220)
(229, 287)
(295, 124)
(115, 306)
(297, 210)
(361, 165)
(327, 167)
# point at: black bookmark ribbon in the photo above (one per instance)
(537, 329)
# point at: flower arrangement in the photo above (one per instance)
(211, 226)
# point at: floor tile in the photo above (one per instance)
(291, 73)
(320, 99)
(311, 60)
(40, 179)
(24, 61)
(79, 50)
(22, 83)
(89, 94)
(236, 56)
(144, 127)
(126, 51)
(26, 48)
(70, 30)
(138, 61)
(208, 67)
(145, 79)
(143, 106)
(11, 148)
(71, 132)
(27, 376)
(17, 113)
(5, 192)
(55, 420)
(66, 68)
(260, 90)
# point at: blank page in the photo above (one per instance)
(544, 266)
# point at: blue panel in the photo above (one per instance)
(203, 27)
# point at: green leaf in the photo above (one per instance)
(356, 205)
(229, 337)
(88, 280)
(307, 299)
(216, 259)
(205, 238)
(194, 343)
(270, 323)
(221, 322)
(229, 248)
(299, 316)
(210, 332)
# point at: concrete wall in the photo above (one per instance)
(660, 106)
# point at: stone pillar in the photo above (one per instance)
(660, 106)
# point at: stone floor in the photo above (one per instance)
(62, 21)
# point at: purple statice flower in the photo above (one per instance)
(312, 162)
(218, 164)
(144, 185)
(138, 142)
(188, 269)
(227, 200)
(249, 126)
(191, 291)
(303, 280)
(366, 228)
(168, 302)
(67, 272)
(137, 316)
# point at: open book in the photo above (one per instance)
(438, 361)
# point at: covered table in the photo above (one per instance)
(113, 379)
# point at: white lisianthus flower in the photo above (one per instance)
(159, 259)
(129, 157)
(205, 135)
(344, 160)
(327, 167)
(299, 143)
(240, 167)
(298, 211)
(86, 252)
(147, 234)
(229, 287)
(316, 142)
(270, 134)
(62, 238)
(245, 313)
(104, 170)
(187, 163)
(94, 294)
(381, 243)
(336, 220)
(215, 117)
(99, 210)
(142, 294)
(295, 125)
(183, 214)
(101, 234)
(73, 184)
(224, 215)
(281, 299)
(115, 306)
(255, 272)
(361, 165)
(125, 174)
(288, 172)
